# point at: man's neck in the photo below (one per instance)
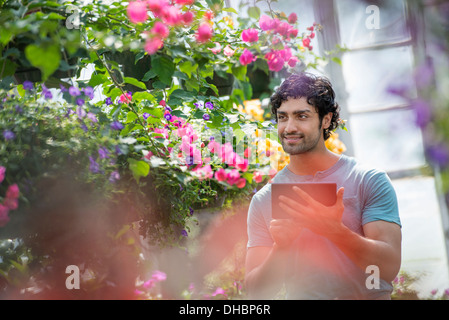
(310, 163)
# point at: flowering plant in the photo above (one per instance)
(147, 149)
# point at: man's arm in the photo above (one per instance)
(381, 245)
(265, 266)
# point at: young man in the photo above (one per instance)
(322, 252)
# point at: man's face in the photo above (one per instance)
(299, 127)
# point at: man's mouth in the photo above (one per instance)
(292, 139)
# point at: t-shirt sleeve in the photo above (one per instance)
(380, 200)
(257, 228)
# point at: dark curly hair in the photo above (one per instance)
(318, 92)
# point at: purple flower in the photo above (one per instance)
(94, 166)
(63, 89)
(92, 117)
(47, 94)
(103, 152)
(80, 101)
(184, 233)
(167, 116)
(439, 155)
(116, 125)
(168, 108)
(423, 113)
(114, 176)
(191, 211)
(89, 91)
(209, 105)
(108, 101)
(206, 116)
(28, 85)
(146, 115)
(8, 135)
(80, 112)
(74, 91)
(198, 104)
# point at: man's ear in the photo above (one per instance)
(327, 120)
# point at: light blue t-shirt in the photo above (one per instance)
(318, 269)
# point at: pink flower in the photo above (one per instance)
(157, 6)
(275, 60)
(292, 18)
(159, 276)
(247, 57)
(293, 61)
(216, 49)
(11, 204)
(257, 176)
(233, 176)
(242, 164)
(205, 172)
(250, 35)
(240, 183)
(13, 191)
(185, 2)
(228, 51)
(283, 28)
(160, 29)
(266, 23)
(137, 11)
(187, 18)
(125, 98)
(153, 44)
(4, 218)
(2, 173)
(219, 291)
(220, 174)
(293, 33)
(306, 43)
(204, 32)
(171, 15)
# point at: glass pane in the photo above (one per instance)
(387, 140)
(370, 74)
(364, 23)
(423, 242)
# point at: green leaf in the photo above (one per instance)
(163, 67)
(188, 68)
(254, 12)
(45, 57)
(139, 168)
(135, 82)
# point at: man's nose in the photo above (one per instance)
(290, 127)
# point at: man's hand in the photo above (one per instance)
(284, 232)
(321, 219)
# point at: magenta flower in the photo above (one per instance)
(4, 218)
(137, 11)
(153, 44)
(247, 57)
(233, 176)
(2, 173)
(13, 191)
(220, 174)
(160, 29)
(292, 18)
(204, 32)
(266, 23)
(250, 35)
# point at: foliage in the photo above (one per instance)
(146, 139)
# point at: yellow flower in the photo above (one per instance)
(335, 145)
(252, 108)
